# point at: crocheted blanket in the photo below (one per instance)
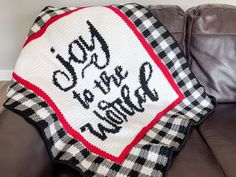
(108, 88)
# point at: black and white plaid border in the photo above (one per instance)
(46, 14)
(151, 156)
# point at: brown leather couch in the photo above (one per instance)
(207, 35)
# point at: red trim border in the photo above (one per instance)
(61, 117)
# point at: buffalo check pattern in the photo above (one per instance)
(151, 156)
(46, 14)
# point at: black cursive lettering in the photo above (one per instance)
(115, 113)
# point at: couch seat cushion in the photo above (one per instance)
(219, 131)
(195, 160)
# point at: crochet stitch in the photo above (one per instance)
(109, 90)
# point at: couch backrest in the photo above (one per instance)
(211, 48)
(174, 19)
